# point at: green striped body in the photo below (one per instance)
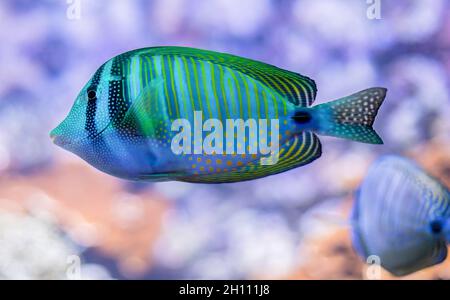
(222, 87)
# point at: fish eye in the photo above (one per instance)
(92, 95)
(436, 227)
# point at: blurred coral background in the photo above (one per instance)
(54, 207)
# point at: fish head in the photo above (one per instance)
(89, 116)
(91, 130)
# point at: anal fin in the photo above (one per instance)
(299, 150)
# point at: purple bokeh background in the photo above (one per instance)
(238, 230)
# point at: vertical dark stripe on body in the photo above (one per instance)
(90, 125)
(118, 102)
(91, 107)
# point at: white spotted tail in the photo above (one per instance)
(350, 117)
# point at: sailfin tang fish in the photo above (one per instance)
(123, 120)
(401, 214)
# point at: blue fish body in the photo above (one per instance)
(122, 122)
(401, 214)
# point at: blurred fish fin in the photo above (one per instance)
(427, 255)
(350, 117)
(142, 112)
(356, 237)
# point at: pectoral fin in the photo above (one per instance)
(146, 111)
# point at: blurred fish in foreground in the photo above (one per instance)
(401, 215)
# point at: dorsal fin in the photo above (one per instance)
(298, 89)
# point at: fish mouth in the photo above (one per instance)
(58, 139)
(64, 142)
(61, 141)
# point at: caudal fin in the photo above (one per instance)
(350, 117)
